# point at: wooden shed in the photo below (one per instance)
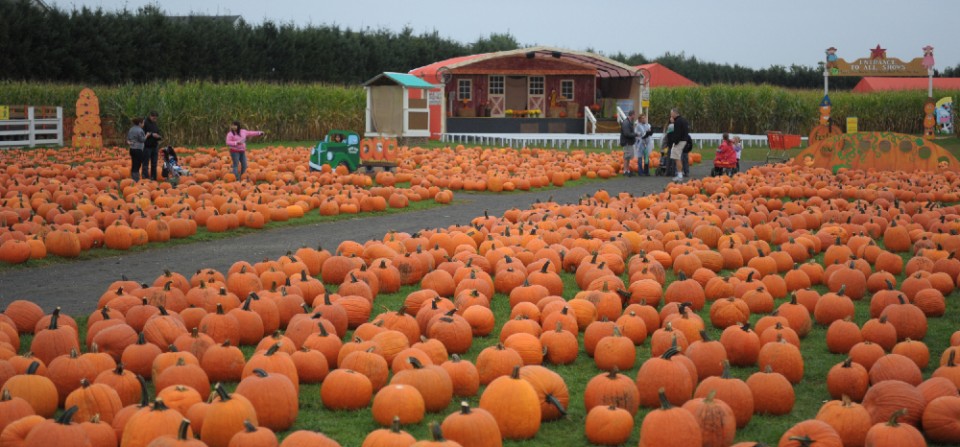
(528, 90)
(397, 106)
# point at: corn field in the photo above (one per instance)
(755, 109)
(198, 113)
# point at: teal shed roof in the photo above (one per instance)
(402, 79)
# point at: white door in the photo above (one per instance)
(535, 94)
(496, 97)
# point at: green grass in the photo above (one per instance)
(202, 235)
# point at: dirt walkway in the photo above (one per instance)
(76, 286)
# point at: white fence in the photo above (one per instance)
(32, 131)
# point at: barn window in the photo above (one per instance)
(536, 85)
(566, 89)
(496, 85)
(465, 89)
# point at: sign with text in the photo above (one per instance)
(889, 66)
(878, 64)
(434, 97)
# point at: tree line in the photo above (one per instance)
(93, 46)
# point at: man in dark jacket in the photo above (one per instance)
(682, 143)
(628, 138)
(150, 147)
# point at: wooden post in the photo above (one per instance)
(60, 126)
(31, 128)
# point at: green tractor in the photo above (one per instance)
(339, 148)
(345, 148)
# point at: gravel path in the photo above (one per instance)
(76, 286)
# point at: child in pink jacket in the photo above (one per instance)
(237, 142)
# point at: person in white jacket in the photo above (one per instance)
(643, 145)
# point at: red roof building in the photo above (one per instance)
(527, 90)
(868, 84)
(661, 76)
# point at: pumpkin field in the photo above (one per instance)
(51, 203)
(782, 306)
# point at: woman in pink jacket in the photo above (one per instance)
(237, 142)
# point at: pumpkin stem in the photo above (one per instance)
(704, 336)
(246, 303)
(32, 369)
(664, 403)
(415, 362)
(250, 428)
(896, 415)
(804, 441)
(672, 351)
(273, 349)
(221, 392)
(950, 360)
(613, 372)
(53, 320)
(556, 403)
(726, 369)
(158, 405)
(437, 434)
(182, 431)
(516, 372)
(220, 309)
(710, 396)
(395, 425)
(65, 418)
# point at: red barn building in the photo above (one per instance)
(528, 90)
(873, 84)
(661, 76)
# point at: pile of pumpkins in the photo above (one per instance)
(64, 210)
(733, 247)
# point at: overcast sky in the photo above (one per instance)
(753, 33)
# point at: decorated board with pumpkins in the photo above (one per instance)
(87, 132)
(879, 151)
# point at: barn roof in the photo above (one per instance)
(403, 79)
(606, 67)
(661, 76)
(874, 84)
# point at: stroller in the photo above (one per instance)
(664, 168)
(171, 167)
(725, 162)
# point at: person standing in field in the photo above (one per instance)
(237, 142)
(738, 147)
(628, 138)
(644, 143)
(135, 139)
(680, 139)
(151, 146)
